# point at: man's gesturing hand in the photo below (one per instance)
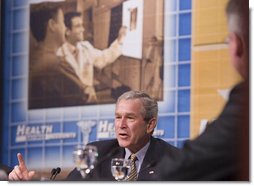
(20, 172)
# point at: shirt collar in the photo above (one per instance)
(140, 154)
(71, 47)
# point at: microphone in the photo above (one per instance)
(58, 170)
(54, 173)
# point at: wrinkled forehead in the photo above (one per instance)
(130, 105)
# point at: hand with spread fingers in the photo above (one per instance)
(20, 172)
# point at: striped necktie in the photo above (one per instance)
(133, 176)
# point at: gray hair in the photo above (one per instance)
(235, 11)
(150, 105)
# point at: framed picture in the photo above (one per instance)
(133, 19)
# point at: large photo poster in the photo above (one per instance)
(56, 95)
(90, 52)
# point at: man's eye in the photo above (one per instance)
(131, 118)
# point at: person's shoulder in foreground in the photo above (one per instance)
(221, 152)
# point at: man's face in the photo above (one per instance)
(60, 28)
(130, 127)
(76, 33)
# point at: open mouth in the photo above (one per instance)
(123, 135)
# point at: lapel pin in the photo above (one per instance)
(151, 172)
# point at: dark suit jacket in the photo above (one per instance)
(54, 84)
(221, 152)
(110, 149)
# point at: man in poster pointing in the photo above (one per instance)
(83, 57)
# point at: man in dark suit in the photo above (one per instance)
(135, 120)
(110, 149)
(221, 152)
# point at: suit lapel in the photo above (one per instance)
(148, 165)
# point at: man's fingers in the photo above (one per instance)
(124, 27)
(22, 164)
(123, 30)
(122, 34)
(31, 174)
(16, 174)
(20, 171)
(13, 177)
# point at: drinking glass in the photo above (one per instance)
(85, 158)
(120, 168)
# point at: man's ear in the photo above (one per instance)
(237, 45)
(51, 24)
(151, 125)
